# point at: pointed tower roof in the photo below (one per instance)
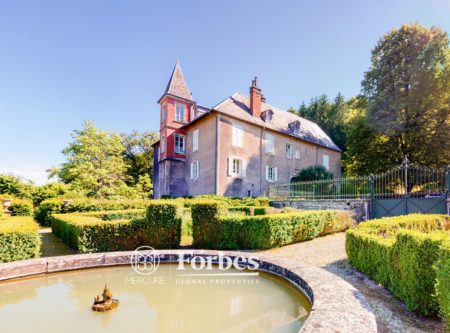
(177, 84)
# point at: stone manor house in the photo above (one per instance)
(237, 148)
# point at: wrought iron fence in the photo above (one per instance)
(407, 179)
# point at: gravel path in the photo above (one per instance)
(329, 253)
(52, 245)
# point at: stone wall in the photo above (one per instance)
(360, 207)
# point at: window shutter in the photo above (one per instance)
(244, 168)
(195, 140)
(198, 169)
(230, 166)
(192, 170)
(267, 172)
(275, 174)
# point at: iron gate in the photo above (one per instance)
(409, 188)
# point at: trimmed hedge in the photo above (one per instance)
(212, 228)
(111, 215)
(88, 232)
(19, 239)
(56, 206)
(21, 207)
(400, 253)
(442, 268)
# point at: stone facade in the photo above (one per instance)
(360, 207)
(206, 164)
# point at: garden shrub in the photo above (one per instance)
(400, 254)
(442, 268)
(204, 216)
(159, 226)
(52, 206)
(20, 207)
(212, 228)
(19, 238)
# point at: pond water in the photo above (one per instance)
(166, 301)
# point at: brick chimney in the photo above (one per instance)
(255, 99)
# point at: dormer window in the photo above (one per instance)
(295, 127)
(267, 115)
(180, 112)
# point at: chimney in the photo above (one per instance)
(255, 99)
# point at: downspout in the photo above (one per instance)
(261, 160)
(216, 157)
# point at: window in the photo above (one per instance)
(237, 167)
(163, 144)
(195, 170)
(179, 144)
(237, 135)
(192, 116)
(195, 140)
(270, 143)
(250, 193)
(326, 161)
(289, 150)
(297, 154)
(164, 112)
(271, 173)
(179, 112)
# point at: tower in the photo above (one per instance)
(177, 108)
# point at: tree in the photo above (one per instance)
(407, 89)
(329, 115)
(95, 162)
(138, 155)
(317, 172)
(15, 186)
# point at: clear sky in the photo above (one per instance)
(63, 62)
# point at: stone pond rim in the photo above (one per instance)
(336, 305)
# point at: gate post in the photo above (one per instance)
(447, 180)
(371, 194)
(405, 162)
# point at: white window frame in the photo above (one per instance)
(183, 150)
(297, 154)
(163, 112)
(232, 162)
(163, 144)
(289, 153)
(270, 143)
(195, 170)
(237, 135)
(192, 113)
(195, 140)
(180, 118)
(326, 161)
(271, 173)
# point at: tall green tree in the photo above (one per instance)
(138, 155)
(407, 90)
(95, 163)
(329, 115)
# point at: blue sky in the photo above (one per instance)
(63, 62)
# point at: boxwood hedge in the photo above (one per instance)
(213, 228)
(100, 232)
(58, 206)
(19, 238)
(401, 253)
(20, 207)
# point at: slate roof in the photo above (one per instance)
(177, 85)
(238, 106)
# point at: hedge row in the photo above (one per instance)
(57, 206)
(88, 233)
(400, 253)
(20, 207)
(110, 215)
(443, 281)
(19, 239)
(212, 228)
